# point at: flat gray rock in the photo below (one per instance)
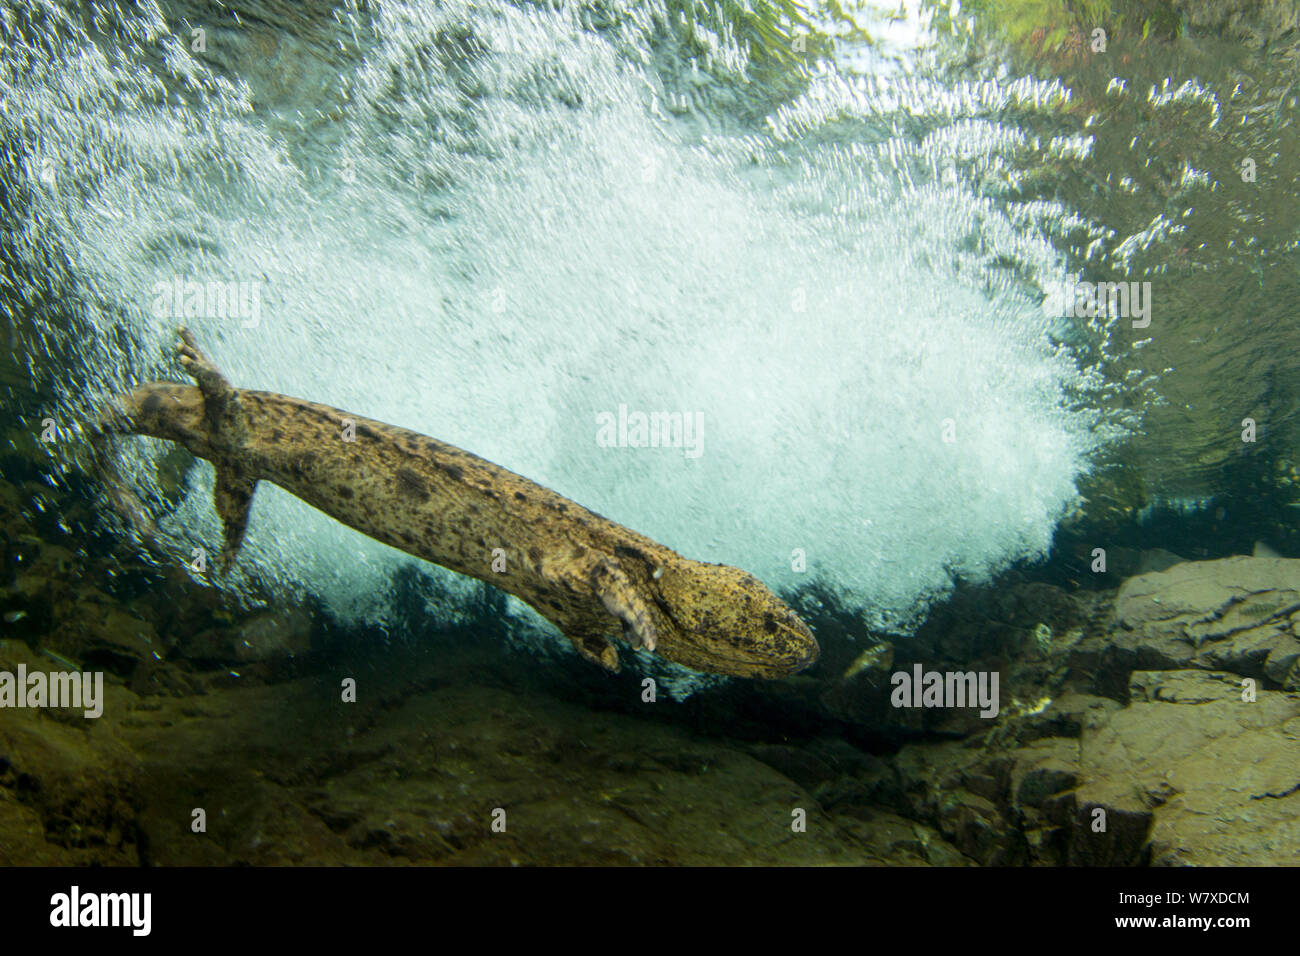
(1235, 614)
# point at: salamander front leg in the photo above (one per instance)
(624, 601)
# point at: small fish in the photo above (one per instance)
(13, 617)
(877, 657)
(1019, 708)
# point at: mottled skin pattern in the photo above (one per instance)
(592, 578)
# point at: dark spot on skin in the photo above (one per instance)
(345, 492)
(563, 507)
(152, 402)
(519, 495)
(302, 463)
(454, 472)
(412, 484)
(277, 435)
(769, 623)
(535, 554)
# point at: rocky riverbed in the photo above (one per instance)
(1156, 723)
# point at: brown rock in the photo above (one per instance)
(284, 632)
(1236, 614)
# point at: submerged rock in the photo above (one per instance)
(1236, 614)
(102, 634)
(1221, 774)
(69, 787)
(285, 632)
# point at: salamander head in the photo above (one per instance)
(728, 622)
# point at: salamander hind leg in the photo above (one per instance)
(223, 414)
(222, 410)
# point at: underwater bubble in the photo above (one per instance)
(511, 230)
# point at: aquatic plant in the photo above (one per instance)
(1040, 26)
